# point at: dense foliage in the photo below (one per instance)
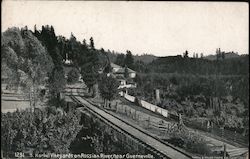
(216, 90)
(73, 75)
(57, 82)
(125, 60)
(179, 64)
(108, 87)
(222, 99)
(39, 132)
(26, 62)
(191, 142)
(30, 58)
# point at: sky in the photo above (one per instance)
(159, 28)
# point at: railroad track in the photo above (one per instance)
(155, 145)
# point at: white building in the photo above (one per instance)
(119, 71)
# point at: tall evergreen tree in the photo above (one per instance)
(120, 60)
(92, 44)
(185, 54)
(129, 60)
(126, 74)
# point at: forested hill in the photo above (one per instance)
(227, 56)
(22, 46)
(179, 64)
(146, 58)
(33, 56)
(228, 64)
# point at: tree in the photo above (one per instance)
(223, 55)
(49, 40)
(185, 55)
(39, 132)
(73, 75)
(12, 38)
(129, 60)
(24, 53)
(196, 55)
(92, 45)
(139, 66)
(9, 56)
(62, 47)
(57, 82)
(201, 56)
(89, 75)
(218, 54)
(120, 60)
(126, 74)
(74, 49)
(108, 87)
(39, 67)
(108, 68)
(106, 61)
(84, 43)
(241, 91)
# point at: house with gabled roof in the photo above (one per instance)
(119, 73)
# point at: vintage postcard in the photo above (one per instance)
(124, 80)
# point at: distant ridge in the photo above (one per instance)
(146, 58)
(227, 56)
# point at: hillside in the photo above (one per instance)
(178, 64)
(146, 58)
(24, 57)
(227, 56)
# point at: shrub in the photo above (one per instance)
(190, 142)
(137, 101)
(73, 75)
(38, 132)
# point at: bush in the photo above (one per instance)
(54, 102)
(38, 132)
(137, 101)
(73, 76)
(176, 142)
(190, 142)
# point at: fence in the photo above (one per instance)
(230, 136)
(166, 126)
(233, 138)
(148, 106)
(129, 97)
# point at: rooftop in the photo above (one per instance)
(121, 69)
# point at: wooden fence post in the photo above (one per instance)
(222, 132)
(235, 136)
(224, 152)
(148, 121)
(116, 107)
(135, 115)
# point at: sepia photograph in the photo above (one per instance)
(124, 79)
